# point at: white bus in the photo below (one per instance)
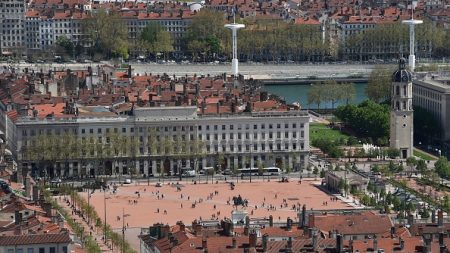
(270, 171)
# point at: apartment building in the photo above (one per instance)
(269, 138)
(432, 93)
(12, 26)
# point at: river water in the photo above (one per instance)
(299, 93)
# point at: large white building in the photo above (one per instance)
(231, 140)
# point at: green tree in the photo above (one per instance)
(316, 94)
(411, 162)
(442, 168)
(156, 39)
(108, 33)
(379, 87)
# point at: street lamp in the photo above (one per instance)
(104, 223)
(123, 229)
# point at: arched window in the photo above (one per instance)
(397, 90)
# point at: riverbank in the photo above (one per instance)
(255, 71)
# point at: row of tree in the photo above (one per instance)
(206, 39)
(332, 92)
(47, 149)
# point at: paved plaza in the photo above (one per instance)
(145, 205)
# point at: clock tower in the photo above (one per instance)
(401, 122)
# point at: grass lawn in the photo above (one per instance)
(318, 130)
(423, 155)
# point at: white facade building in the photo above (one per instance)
(237, 141)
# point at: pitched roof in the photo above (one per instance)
(363, 223)
(34, 239)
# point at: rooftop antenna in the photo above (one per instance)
(412, 22)
(234, 27)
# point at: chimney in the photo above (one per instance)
(350, 245)
(265, 238)
(252, 239)
(393, 232)
(410, 219)
(17, 217)
(218, 108)
(289, 243)
(441, 238)
(427, 248)
(442, 249)
(182, 226)
(375, 244)
(129, 71)
(332, 234)
(315, 238)
(288, 224)
(440, 218)
(304, 221)
(233, 242)
(270, 221)
(246, 230)
(340, 243)
(433, 216)
(204, 243)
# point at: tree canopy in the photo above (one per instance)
(367, 119)
(379, 87)
(108, 33)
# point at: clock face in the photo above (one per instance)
(405, 77)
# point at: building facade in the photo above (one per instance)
(12, 26)
(401, 122)
(169, 139)
(432, 93)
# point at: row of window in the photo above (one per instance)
(174, 129)
(255, 147)
(247, 135)
(247, 126)
(39, 250)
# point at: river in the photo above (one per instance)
(299, 93)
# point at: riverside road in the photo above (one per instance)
(256, 71)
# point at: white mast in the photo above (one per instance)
(412, 22)
(234, 27)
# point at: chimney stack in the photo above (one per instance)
(441, 238)
(433, 216)
(204, 243)
(315, 238)
(270, 221)
(340, 243)
(265, 238)
(233, 242)
(375, 244)
(289, 244)
(288, 224)
(440, 218)
(252, 239)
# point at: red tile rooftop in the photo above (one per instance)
(34, 239)
(366, 222)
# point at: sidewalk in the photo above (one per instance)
(97, 234)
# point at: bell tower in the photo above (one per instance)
(401, 122)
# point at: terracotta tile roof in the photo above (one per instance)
(13, 115)
(363, 223)
(34, 239)
(47, 109)
(214, 244)
(391, 245)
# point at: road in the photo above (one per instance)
(256, 71)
